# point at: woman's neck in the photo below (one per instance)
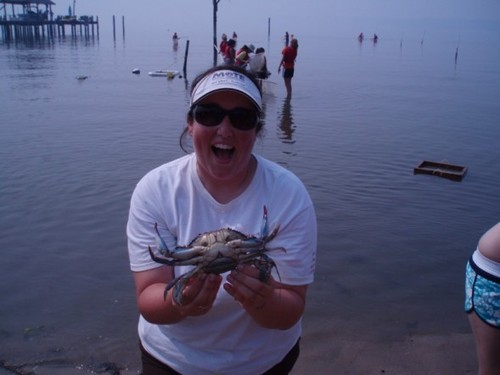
(223, 192)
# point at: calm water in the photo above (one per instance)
(392, 245)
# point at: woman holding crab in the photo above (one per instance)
(236, 322)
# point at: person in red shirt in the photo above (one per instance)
(230, 52)
(288, 63)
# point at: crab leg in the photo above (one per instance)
(255, 243)
(180, 253)
(160, 243)
(264, 228)
(160, 259)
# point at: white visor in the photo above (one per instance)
(226, 80)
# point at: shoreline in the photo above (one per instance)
(415, 354)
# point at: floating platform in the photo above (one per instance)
(449, 171)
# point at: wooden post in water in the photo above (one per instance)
(184, 69)
(268, 28)
(114, 29)
(123, 26)
(215, 2)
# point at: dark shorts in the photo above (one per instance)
(288, 73)
(151, 366)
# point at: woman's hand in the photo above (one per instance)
(198, 295)
(271, 303)
(245, 286)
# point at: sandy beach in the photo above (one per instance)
(447, 354)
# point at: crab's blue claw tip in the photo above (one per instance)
(162, 246)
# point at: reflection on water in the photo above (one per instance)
(286, 123)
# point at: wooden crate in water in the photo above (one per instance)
(449, 171)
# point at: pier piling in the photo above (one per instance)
(184, 69)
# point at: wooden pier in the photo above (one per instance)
(34, 19)
(84, 25)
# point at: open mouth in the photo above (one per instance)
(223, 151)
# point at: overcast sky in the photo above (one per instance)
(242, 15)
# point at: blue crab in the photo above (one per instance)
(217, 252)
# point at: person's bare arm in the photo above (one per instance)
(155, 308)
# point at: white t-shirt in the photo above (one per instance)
(257, 63)
(226, 340)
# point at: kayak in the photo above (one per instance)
(164, 73)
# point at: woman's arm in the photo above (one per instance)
(281, 64)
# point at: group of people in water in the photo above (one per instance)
(242, 57)
(254, 60)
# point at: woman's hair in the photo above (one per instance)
(294, 43)
(202, 75)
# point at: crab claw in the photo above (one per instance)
(265, 265)
(178, 284)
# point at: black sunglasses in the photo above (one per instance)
(212, 115)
